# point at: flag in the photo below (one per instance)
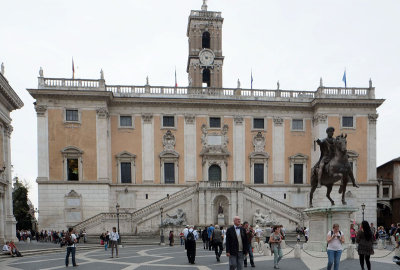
(344, 79)
(73, 69)
(176, 82)
(251, 80)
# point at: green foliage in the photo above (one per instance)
(20, 206)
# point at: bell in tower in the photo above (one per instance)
(205, 59)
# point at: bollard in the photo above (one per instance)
(380, 244)
(267, 250)
(297, 251)
(283, 244)
(350, 251)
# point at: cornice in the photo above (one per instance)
(10, 95)
(333, 102)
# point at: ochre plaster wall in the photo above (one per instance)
(130, 140)
(356, 141)
(180, 147)
(229, 122)
(199, 122)
(297, 142)
(82, 136)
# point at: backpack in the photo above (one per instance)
(68, 240)
(190, 236)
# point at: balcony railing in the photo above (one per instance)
(221, 185)
(206, 93)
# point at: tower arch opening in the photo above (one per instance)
(206, 40)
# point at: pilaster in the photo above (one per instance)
(190, 148)
(239, 149)
(202, 209)
(148, 148)
(43, 142)
(371, 147)
(102, 134)
(320, 124)
(278, 150)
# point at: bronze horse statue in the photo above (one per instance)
(337, 169)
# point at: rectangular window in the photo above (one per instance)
(298, 174)
(169, 173)
(168, 121)
(347, 121)
(126, 176)
(258, 123)
(72, 115)
(258, 173)
(73, 169)
(297, 124)
(385, 192)
(125, 121)
(215, 122)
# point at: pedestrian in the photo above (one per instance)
(353, 234)
(258, 234)
(298, 237)
(250, 234)
(275, 240)
(236, 245)
(171, 238)
(210, 230)
(335, 239)
(114, 236)
(107, 240)
(306, 233)
(182, 238)
(70, 240)
(365, 244)
(216, 239)
(223, 231)
(204, 237)
(191, 236)
(373, 230)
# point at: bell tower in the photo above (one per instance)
(205, 60)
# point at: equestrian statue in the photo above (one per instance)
(332, 166)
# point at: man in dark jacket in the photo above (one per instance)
(236, 245)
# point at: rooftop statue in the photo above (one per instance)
(332, 166)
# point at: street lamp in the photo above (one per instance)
(363, 208)
(161, 228)
(119, 239)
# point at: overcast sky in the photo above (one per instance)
(295, 42)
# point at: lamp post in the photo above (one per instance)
(161, 228)
(119, 239)
(363, 208)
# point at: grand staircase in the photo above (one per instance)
(150, 214)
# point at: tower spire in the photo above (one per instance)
(204, 6)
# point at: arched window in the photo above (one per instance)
(214, 173)
(206, 40)
(207, 77)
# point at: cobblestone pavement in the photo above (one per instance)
(165, 257)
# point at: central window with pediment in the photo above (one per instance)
(214, 173)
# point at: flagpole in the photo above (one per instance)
(251, 79)
(73, 69)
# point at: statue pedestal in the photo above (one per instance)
(221, 220)
(321, 220)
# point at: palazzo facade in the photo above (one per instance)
(9, 101)
(153, 149)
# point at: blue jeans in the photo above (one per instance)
(70, 250)
(334, 258)
(277, 255)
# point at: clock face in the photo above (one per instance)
(206, 57)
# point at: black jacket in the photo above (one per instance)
(232, 245)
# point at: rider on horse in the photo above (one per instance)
(327, 147)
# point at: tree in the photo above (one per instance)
(20, 206)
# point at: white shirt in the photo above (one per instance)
(306, 232)
(335, 243)
(196, 235)
(114, 236)
(6, 248)
(73, 239)
(259, 232)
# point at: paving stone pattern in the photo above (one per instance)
(168, 258)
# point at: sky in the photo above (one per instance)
(295, 42)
